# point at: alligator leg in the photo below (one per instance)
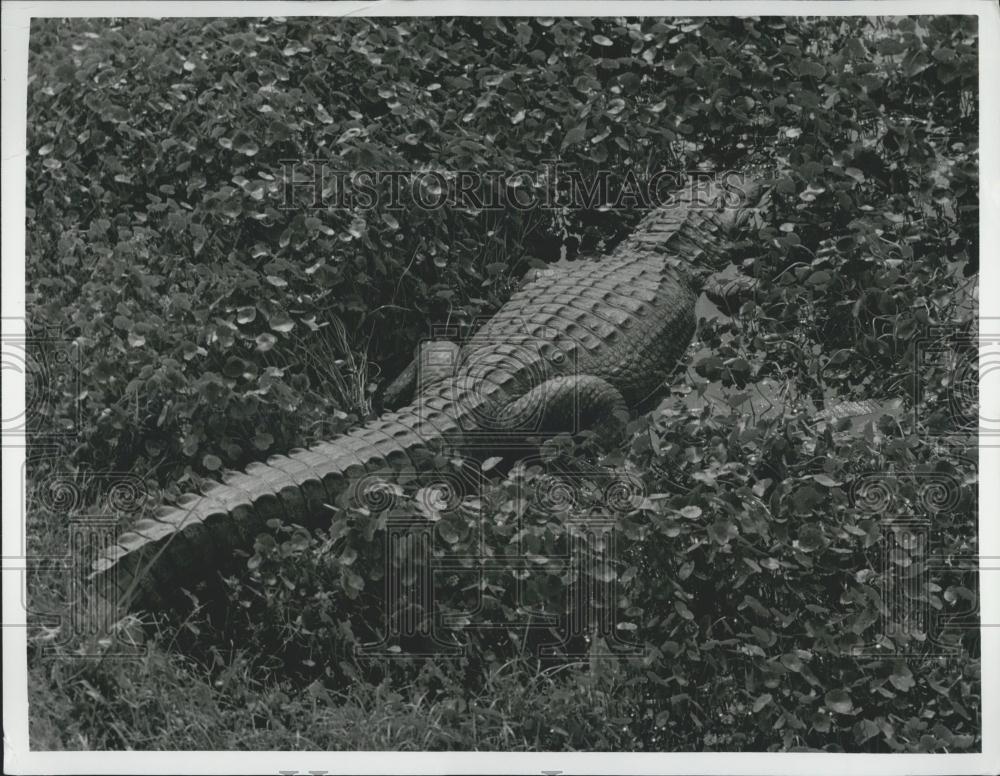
(435, 360)
(401, 390)
(728, 292)
(569, 404)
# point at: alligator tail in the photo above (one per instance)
(178, 545)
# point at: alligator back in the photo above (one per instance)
(625, 319)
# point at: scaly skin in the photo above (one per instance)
(586, 340)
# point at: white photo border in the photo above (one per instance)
(16, 17)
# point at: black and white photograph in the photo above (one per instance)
(568, 389)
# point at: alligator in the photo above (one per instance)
(580, 345)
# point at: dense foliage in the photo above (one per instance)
(211, 323)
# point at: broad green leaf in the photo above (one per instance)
(838, 701)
